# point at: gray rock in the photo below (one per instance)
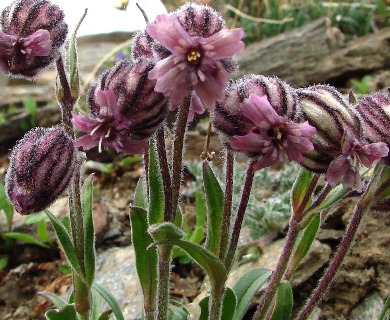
(370, 308)
(116, 271)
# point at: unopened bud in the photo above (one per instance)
(41, 166)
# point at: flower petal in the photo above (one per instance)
(223, 44)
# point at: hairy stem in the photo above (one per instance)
(362, 206)
(177, 154)
(227, 209)
(246, 191)
(164, 268)
(266, 299)
(166, 176)
(216, 302)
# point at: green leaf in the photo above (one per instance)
(3, 262)
(215, 198)
(336, 194)
(156, 188)
(26, 238)
(305, 240)
(228, 306)
(42, 231)
(109, 298)
(34, 218)
(168, 234)
(66, 243)
(300, 188)
(54, 299)
(383, 190)
(145, 257)
(68, 312)
(73, 63)
(246, 288)
(89, 230)
(284, 302)
(140, 196)
(200, 208)
(6, 206)
(176, 311)
(105, 315)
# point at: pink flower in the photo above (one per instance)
(354, 154)
(272, 138)
(108, 127)
(196, 63)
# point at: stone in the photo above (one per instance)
(369, 308)
(116, 271)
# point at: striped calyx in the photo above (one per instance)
(228, 118)
(374, 111)
(326, 110)
(40, 168)
(125, 111)
(32, 33)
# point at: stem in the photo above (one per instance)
(266, 299)
(166, 176)
(227, 209)
(146, 167)
(298, 213)
(216, 302)
(240, 215)
(362, 206)
(82, 294)
(164, 268)
(177, 154)
(66, 100)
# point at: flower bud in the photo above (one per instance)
(32, 32)
(228, 117)
(326, 110)
(125, 109)
(40, 168)
(375, 113)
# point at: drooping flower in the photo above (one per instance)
(354, 154)
(374, 110)
(272, 138)
(125, 111)
(200, 58)
(326, 110)
(228, 118)
(40, 168)
(32, 33)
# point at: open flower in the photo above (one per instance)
(272, 138)
(32, 32)
(197, 63)
(125, 111)
(354, 154)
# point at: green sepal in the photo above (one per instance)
(168, 234)
(215, 201)
(284, 302)
(145, 257)
(305, 240)
(246, 288)
(300, 187)
(68, 312)
(228, 306)
(109, 298)
(67, 244)
(53, 298)
(89, 230)
(156, 187)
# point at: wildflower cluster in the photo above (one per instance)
(183, 61)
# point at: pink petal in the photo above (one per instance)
(251, 142)
(134, 146)
(336, 170)
(6, 44)
(38, 44)
(169, 32)
(373, 152)
(86, 142)
(258, 110)
(223, 44)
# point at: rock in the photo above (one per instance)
(116, 271)
(370, 308)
